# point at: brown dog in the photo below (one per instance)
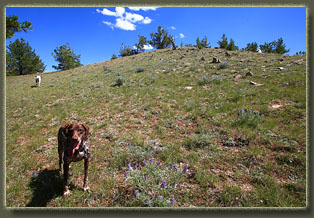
(73, 146)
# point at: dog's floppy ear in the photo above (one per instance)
(65, 128)
(86, 131)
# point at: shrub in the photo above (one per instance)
(154, 184)
(224, 42)
(119, 80)
(203, 80)
(114, 56)
(140, 69)
(223, 65)
(199, 141)
(249, 118)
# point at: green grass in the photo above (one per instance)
(177, 110)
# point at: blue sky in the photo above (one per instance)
(96, 33)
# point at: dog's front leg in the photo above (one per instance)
(85, 186)
(65, 179)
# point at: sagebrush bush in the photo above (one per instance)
(203, 80)
(249, 118)
(223, 65)
(199, 141)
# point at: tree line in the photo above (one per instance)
(22, 59)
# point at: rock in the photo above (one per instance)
(298, 62)
(255, 84)
(249, 74)
(237, 77)
(202, 59)
(227, 54)
(280, 68)
(216, 60)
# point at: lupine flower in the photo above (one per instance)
(34, 173)
(160, 197)
(126, 173)
(185, 168)
(171, 201)
(135, 166)
(144, 161)
(171, 165)
(154, 143)
(129, 143)
(262, 116)
(158, 162)
(129, 166)
(242, 110)
(148, 202)
(152, 160)
(136, 193)
(163, 184)
(39, 170)
(134, 144)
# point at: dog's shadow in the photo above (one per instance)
(46, 185)
(34, 86)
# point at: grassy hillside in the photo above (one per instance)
(201, 134)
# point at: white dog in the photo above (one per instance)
(37, 80)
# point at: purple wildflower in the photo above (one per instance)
(172, 201)
(34, 173)
(136, 193)
(171, 165)
(158, 162)
(39, 170)
(134, 144)
(129, 143)
(129, 166)
(126, 173)
(148, 202)
(154, 143)
(242, 110)
(160, 197)
(163, 184)
(152, 160)
(144, 161)
(185, 168)
(135, 166)
(250, 110)
(262, 116)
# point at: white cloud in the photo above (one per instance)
(133, 17)
(124, 20)
(143, 8)
(172, 28)
(105, 11)
(181, 36)
(147, 20)
(148, 47)
(124, 24)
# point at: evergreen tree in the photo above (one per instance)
(21, 59)
(231, 46)
(198, 43)
(251, 47)
(66, 58)
(267, 47)
(280, 47)
(13, 26)
(161, 39)
(140, 45)
(204, 43)
(126, 51)
(224, 42)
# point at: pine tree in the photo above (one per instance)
(140, 45)
(251, 47)
(280, 47)
(66, 58)
(224, 42)
(231, 46)
(21, 59)
(161, 39)
(13, 26)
